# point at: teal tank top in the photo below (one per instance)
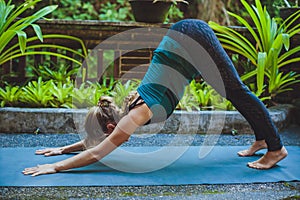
(163, 85)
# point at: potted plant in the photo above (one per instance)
(152, 11)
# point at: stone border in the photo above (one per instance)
(60, 120)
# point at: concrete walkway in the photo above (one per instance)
(283, 190)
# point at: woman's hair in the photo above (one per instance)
(104, 113)
(97, 119)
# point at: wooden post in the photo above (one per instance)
(100, 64)
(21, 69)
(117, 63)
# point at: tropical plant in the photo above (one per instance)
(188, 101)
(121, 91)
(101, 90)
(83, 96)
(108, 82)
(74, 10)
(55, 72)
(10, 95)
(119, 11)
(202, 93)
(174, 14)
(12, 25)
(220, 103)
(62, 94)
(266, 54)
(88, 94)
(66, 95)
(200, 96)
(37, 93)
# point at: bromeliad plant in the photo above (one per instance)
(270, 51)
(202, 93)
(10, 95)
(53, 94)
(201, 96)
(12, 25)
(121, 91)
(188, 101)
(56, 72)
(37, 94)
(88, 94)
(62, 94)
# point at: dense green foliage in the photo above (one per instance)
(55, 88)
(57, 94)
(115, 10)
(268, 54)
(12, 26)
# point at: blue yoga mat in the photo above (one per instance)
(217, 165)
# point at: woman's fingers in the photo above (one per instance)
(37, 173)
(39, 170)
(53, 152)
(30, 170)
(49, 152)
(42, 151)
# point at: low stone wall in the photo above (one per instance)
(49, 120)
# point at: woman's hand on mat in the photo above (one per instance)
(40, 169)
(50, 151)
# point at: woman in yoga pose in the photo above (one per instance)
(190, 48)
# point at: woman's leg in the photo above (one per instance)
(244, 101)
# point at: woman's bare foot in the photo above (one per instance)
(269, 159)
(256, 146)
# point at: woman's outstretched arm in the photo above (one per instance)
(78, 146)
(127, 125)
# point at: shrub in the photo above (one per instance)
(269, 52)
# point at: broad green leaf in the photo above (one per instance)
(286, 41)
(261, 62)
(22, 40)
(18, 11)
(38, 31)
(5, 10)
(41, 13)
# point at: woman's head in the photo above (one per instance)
(101, 121)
